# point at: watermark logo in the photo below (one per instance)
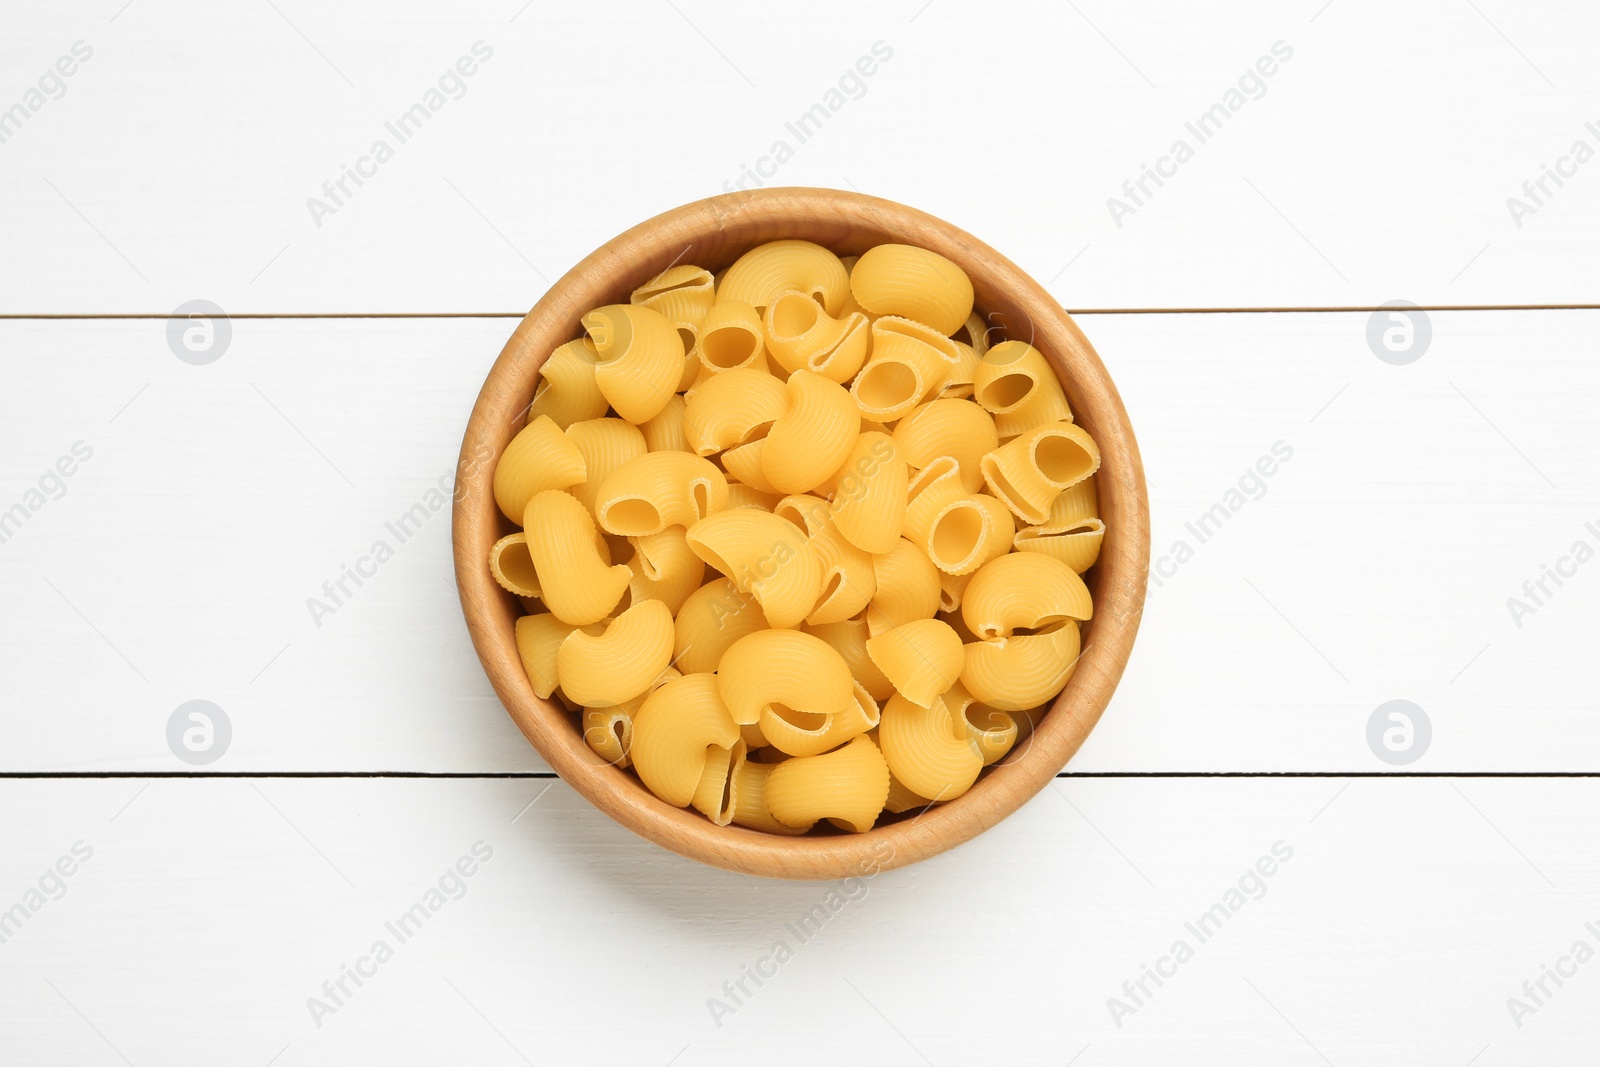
(198, 732)
(1399, 332)
(1399, 732)
(199, 332)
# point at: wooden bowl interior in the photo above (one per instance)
(712, 234)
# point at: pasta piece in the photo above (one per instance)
(952, 587)
(923, 752)
(539, 638)
(1028, 472)
(714, 795)
(1014, 382)
(567, 390)
(933, 489)
(665, 568)
(750, 733)
(979, 333)
(766, 556)
(902, 799)
(811, 439)
(848, 785)
(848, 580)
(944, 427)
(673, 732)
(606, 444)
(539, 457)
(801, 336)
(990, 731)
(922, 658)
(744, 464)
(869, 498)
(1022, 671)
(806, 733)
(750, 800)
(603, 669)
(710, 621)
(640, 358)
(912, 282)
(729, 409)
(758, 276)
(849, 639)
(969, 533)
(731, 338)
(909, 362)
(958, 383)
(801, 672)
(608, 732)
(908, 587)
(741, 495)
(512, 567)
(1072, 533)
(681, 293)
(659, 489)
(1023, 591)
(574, 581)
(669, 430)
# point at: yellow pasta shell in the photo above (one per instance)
(539, 457)
(657, 490)
(810, 440)
(609, 733)
(609, 668)
(804, 733)
(1009, 375)
(665, 568)
(539, 638)
(672, 731)
(1077, 548)
(945, 427)
(512, 567)
(682, 293)
(802, 336)
(1023, 591)
(758, 276)
(766, 556)
(968, 533)
(909, 363)
(922, 751)
(731, 338)
(606, 444)
(669, 430)
(715, 796)
(712, 618)
(908, 587)
(750, 800)
(849, 784)
(640, 358)
(990, 731)
(870, 493)
(1028, 472)
(912, 282)
(726, 409)
(567, 391)
(801, 672)
(1020, 672)
(849, 639)
(922, 658)
(574, 581)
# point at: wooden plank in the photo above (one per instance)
(1362, 169)
(1376, 563)
(211, 912)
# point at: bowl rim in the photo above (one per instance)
(711, 231)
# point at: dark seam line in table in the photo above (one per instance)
(1307, 310)
(78, 775)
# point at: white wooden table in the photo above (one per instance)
(1424, 912)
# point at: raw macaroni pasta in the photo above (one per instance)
(800, 542)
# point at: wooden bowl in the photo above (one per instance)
(712, 234)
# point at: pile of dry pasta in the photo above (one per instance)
(853, 534)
